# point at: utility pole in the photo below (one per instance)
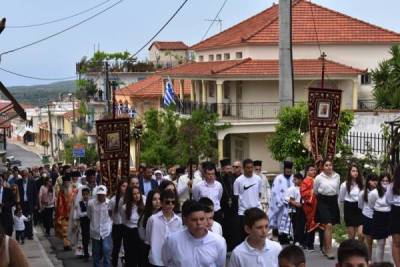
(286, 87)
(108, 91)
(51, 131)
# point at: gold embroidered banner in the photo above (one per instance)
(113, 148)
(323, 116)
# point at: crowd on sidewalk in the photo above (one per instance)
(197, 215)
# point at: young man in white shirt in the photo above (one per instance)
(266, 192)
(212, 225)
(194, 246)
(210, 188)
(160, 225)
(247, 188)
(100, 227)
(257, 249)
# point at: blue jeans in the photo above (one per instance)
(101, 249)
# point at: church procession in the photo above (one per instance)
(273, 143)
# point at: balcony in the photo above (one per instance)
(233, 111)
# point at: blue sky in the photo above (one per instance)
(129, 25)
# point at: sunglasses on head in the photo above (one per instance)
(169, 202)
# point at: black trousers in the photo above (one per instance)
(132, 247)
(299, 226)
(117, 236)
(85, 229)
(27, 211)
(20, 236)
(218, 216)
(231, 228)
(47, 216)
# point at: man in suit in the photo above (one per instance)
(29, 197)
(7, 201)
(146, 183)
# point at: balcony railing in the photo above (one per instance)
(233, 111)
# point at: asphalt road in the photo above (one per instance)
(28, 158)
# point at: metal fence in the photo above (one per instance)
(233, 111)
(362, 142)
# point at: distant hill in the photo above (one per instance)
(37, 95)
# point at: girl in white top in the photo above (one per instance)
(348, 196)
(326, 187)
(367, 211)
(130, 213)
(393, 199)
(114, 207)
(381, 217)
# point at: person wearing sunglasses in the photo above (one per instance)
(160, 225)
(237, 168)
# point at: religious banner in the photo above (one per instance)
(323, 115)
(113, 147)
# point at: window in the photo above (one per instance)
(211, 89)
(227, 56)
(210, 57)
(239, 55)
(201, 58)
(226, 90)
(366, 78)
(219, 57)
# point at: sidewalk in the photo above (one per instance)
(39, 252)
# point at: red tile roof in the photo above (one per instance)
(151, 87)
(258, 68)
(331, 27)
(169, 45)
(70, 114)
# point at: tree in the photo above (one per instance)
(290, 137)
(169, 139)
(386, 80)
(160, 138)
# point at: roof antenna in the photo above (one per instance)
(216, 20)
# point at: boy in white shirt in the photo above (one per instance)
(257, 249)
(248, 189)
(19, 224)
(160, 225)
(194, 246)
(296, 212)
(212, 225)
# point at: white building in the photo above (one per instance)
(237, 71)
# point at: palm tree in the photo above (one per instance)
(386, 80)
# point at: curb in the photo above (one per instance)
(44, 245)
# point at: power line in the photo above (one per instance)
(37, 78)
(215, 19)
(57, 20)
(162, 28)
(60, 32)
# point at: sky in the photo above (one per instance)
(129, 25)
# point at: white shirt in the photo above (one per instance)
(366, 210)
(293, 193)
(115, 215)
(131, 222)
(25, 186)
(266, 189)
(79, 212)
(391, 198)
(19, 222)
(1, 195)
(216, 228)
(248, 190)
(181, 249)
(182, 187)
(100, 221)
(157, 229)
(245, 255)
(212, 191)
(344, 195)
(327, 185)
(378, 203)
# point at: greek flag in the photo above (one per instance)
(169, 96)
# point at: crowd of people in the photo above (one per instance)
(197, 215)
